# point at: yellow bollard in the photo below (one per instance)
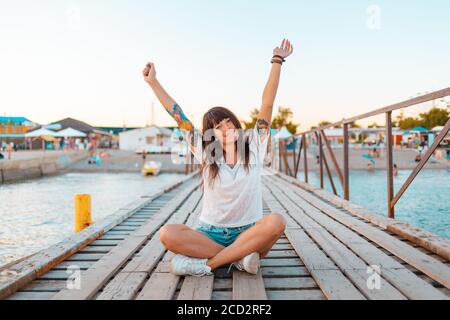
(83, 217)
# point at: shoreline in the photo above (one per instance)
(27, 165)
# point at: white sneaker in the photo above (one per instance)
(183, 265)
(249, 263)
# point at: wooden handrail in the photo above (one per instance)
(407, 103)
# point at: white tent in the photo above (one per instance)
(70, 132)
(40, 133)
(438, 129)
(283, 134)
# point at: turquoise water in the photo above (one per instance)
(425, 204)
(38, 213)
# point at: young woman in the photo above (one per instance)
(231, 228)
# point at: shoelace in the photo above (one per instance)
(236, 264)
(191, 266)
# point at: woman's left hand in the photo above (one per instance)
(285, 49)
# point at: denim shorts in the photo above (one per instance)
(223, 236)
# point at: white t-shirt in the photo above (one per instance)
(235, 197)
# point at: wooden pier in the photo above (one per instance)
(332, 249)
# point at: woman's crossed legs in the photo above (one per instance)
(181, 239)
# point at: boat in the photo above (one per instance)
(151, 167)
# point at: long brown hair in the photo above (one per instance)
(210, 119)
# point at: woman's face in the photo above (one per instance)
(226, 132)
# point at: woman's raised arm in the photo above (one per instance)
(270, 90)
(169, 104)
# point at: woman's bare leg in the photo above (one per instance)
(259, 238)
(181, 239)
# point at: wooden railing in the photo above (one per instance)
(343, 175)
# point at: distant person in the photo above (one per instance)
(231, 228)
(417, 158)
(395, 172)
(9, 150)
(375, 153)
(144, 156)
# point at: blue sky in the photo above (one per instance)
(84, 58)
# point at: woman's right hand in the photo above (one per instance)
(149, 73)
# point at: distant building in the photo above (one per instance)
(13, 129)
(151, 139)
(115, 130)
(105, 139)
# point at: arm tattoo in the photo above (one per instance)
(262, 126)
(179, 116)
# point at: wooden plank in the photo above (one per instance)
(124, 228)
(329, 278)
(105, 242)
(55, 275)
(427, 240)
(113, 237)
(94, 278)
(124, 286)
(248, 286)
(31, 295)
(348, 262)
(281, 254)
(96, 249)
(404, 280)
(83, 265)
(196, 288)
(282, 262)
(223, 284)
(308, 294)
(152, 290)
(290, 283)
(45, 285)
(85, 257)
(423, 262)
(118, 233)
(160, 286)
(286, 246)
(284, 271)
(222, 295)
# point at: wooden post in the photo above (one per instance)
(305, 146)
(330, 177)
(280, 166)
(389, 165)
(293, 158)
(297, 162)
(333, 158)
(346, 170)
(287, 169)
(319, 145)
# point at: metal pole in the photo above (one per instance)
(389, 165)
(346, 170)
(305, 146)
